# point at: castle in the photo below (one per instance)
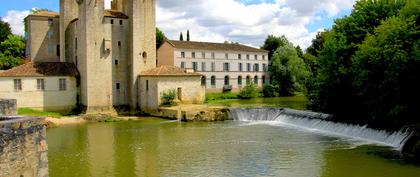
(95, 57)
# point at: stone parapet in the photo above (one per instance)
(23, 147)
(7, 107)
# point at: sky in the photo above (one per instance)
(245, 21)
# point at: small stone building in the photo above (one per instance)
(154, 82)
(49, 86)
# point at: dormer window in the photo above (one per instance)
(112, 21)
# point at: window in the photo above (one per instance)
(112, 21)
(240, 80)
(240, 67)
(182, 54)
(203, 81)
(212, 55)
(226, 67)
(76, 60)
(17, 84)
(263, 57)
(239, 56)
(193, 55)
(248, 67)
(247, 56)
(203, 66)
(75, 43)
(256, 57)
(116, 62)
(265, 69)
(203, 55)
(195, 66)
(147, 85)
(227, 80)
(40, 84)
(58, 50)
(226, 56)
(117, 86)
(263, 80)
(182, 65)
(256, 67)
(62, 84)
(213, 67)
(51, 49)
(121, 22)
(213, 81)
(256, 80)
(119, 43)
(50, 21)
(248, 80)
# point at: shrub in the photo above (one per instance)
(271, 90)
(221, 96)
(168, 97)
(249, 91)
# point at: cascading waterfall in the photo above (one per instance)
(318, 122)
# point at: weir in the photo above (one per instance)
(319, 123)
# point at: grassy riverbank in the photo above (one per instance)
(37, 113)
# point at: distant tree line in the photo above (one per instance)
(12, 47)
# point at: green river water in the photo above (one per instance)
(157, 147)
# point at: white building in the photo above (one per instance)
(224, 66)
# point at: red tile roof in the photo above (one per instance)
(163, 71)
(42, 69)
(213, 46)
(107, 13)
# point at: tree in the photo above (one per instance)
(4, 30)
(188, 35)
(317, 44)
(299, 51)
(181, 37)
(288, 70)
(12, 50)
(386, 70)
(334, 79)
(160, 37)
(272, 43)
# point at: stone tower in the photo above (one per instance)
(142, 41)
(69, 10)
(95, 70)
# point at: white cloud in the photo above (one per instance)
(15, 19)
(245, 21)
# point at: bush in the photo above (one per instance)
(249, 91)
(221, 96)
(271, 90)
(168, 97)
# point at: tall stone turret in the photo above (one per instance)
(142, 42)
(69, 11)
(94, 67)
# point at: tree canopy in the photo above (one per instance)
(5, 30)
(160, 37)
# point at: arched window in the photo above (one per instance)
(248, 79)
(240, 80)
(227, 80)
(256, 80)
(213, 81)
(263, 80)
(203, 81)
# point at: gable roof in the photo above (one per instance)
(213, 46)
(107, 13)
(168, 71)
(42, 69)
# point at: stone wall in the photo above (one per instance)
(7, 107)
(23, 147)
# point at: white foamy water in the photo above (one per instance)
(309, 121)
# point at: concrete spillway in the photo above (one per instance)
(319, 123)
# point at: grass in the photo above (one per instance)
(32, 112)
(221, 96)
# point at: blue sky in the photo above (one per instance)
(245, 21)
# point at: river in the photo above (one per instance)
(157, 147)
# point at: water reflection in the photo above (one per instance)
(156, 147)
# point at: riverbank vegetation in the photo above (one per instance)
(37, 113)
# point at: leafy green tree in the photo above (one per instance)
(299, 51)
(334, 79)
(188, 35)
(317, 44)
(181, 37)
(13, 46)
(272, 43)
(7, 61)
(288, 70)
(4, 30)
(387, 71)
(160, 37)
